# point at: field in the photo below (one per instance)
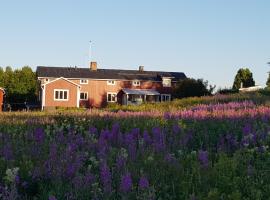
(197, 148)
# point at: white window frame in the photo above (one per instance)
(111, 93)
(165, 95)
(136, 83)
(85, 99)
(166, 84)
(82, 81)
(60, 90)
(111, 82)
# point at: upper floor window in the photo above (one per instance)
(136, 83)
(83, 81)
(111, 97)
(166, 82)
(111, 82)
(61, 95)
(83, 95)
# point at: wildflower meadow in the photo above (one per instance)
(218, 150)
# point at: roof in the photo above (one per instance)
(140, 92)
(118, 74)
(62, 79)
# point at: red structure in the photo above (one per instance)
(93, 87)
(2, 92)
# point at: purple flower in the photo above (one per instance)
(147, 139)
(126, 183)
(106, 178)
(39, 135)
(203, 158)
(52, 197)
(120, 162)
(176, 129)
(143, 183)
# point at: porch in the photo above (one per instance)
(139, 96)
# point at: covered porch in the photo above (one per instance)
(138, 96)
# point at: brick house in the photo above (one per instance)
(93, 87)
(2, 93)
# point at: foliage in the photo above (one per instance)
(268, 81)
(20, 85)
(192, 88)
(207, 151)
(227, 91)
(245, 77)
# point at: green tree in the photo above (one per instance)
(245, 77)
(268, 81)
(192, 87)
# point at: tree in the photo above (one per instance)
(192, 87)
(245, 77)
(268, 81)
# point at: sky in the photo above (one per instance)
(209, 39)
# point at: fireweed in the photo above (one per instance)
(207, 151)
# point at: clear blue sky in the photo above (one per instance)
(208, 39)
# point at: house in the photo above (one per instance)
(93, 87)
(251, 89)
(2, 93)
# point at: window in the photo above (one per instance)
(136, 83)
(84, 96)
(83, 81)
(165, 97)
(110, 82)
(47, 79)
(166, 82)
(111, 97)
(60, 95)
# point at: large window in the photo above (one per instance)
(84, 96)
(136, 83)
(61, 95)
(111, 97)
(165, 97)
(110, 82)
(166, 82)
(83, 81)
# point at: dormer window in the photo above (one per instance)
(136, 83)
(166, 82)
(111, 82)
(83, 81)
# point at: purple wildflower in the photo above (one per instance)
(143, 183)
(39, 135)
(105, 176)
(52, 197)
(126, 183)
(203, 158)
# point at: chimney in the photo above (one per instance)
(93, 66)
(141, 68)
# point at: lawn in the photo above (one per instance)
(198, 148)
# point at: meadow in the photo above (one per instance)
(196, 148)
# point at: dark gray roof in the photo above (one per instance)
(74, 72)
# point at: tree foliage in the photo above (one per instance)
(20, 85)
(245, 77)
(193, 88)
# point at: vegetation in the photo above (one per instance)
(214, 148)
(193, 88)
(244, 77)
(20, 85)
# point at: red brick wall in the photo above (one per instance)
(64, 85)
(97, 91)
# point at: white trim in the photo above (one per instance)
(78, 97)
(86, 96)
(83, 79)
(43, 97)
(61, 90)
(136, 83)
(62, 79)
(112, 93)
(165, 95)
(111, 82)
